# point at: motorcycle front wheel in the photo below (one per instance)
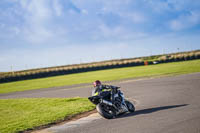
(131, 107)
(105, 111)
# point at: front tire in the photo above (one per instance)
(131, 107)
(101, 108)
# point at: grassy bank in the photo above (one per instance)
(104, 75)
(21, 114)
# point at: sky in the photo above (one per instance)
(45, 33)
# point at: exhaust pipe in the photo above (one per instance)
(106, 102)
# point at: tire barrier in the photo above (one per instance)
(56, 72)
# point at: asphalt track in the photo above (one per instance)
(163, 105)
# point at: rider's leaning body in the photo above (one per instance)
(103, 90)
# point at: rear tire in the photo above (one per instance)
(131, 107)
(103, 112)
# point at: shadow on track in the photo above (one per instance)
(150, 110)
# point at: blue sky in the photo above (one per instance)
(44, 33)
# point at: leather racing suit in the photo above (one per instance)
(105, 91)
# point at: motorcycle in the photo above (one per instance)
(113, 106)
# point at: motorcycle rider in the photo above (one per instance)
(109, 100)
(103, 90)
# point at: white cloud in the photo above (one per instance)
(194, 18)
(110, 32)
(84, 11)
(16, 30)
(36, 15)
(57, 7)
(42, 21)
(185, 21)
(38, 35)
(176, 25)
(135, 17)
(2, 25)
(180, 4)
(24, 3)
(119, 8)
(38, 11)
(39, 26)
(158, 6)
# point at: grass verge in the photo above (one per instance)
(21, 114)
(104, 75)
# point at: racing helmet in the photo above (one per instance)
(97, 83)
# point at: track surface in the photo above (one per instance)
(167, 104)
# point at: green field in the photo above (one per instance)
(21, 114)
(104, 75)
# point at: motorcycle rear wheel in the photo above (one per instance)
(108, 114)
